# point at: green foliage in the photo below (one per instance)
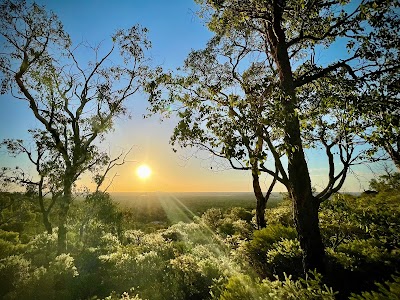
(244, 287)
(366, 254)
(390, 290)
(42, 248)
(97, 214)
(263, 239)
(217, 256)
(20, 280)
(123, 296)
(14, 271)
(281, 214)
(10, 244)
(274, 250)
(386, 183)
(212, 218)
(286, 256)
(235, 221)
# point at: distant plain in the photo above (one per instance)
(170, 208)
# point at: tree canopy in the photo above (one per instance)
(75, 101)
(258, 88)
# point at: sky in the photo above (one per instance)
(174, 30)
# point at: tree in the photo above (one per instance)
(380, 112)
(229, 125)
(286, 35)
(46, 164)
(75, 102)
(291, 31)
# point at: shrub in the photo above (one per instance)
(281, 214)
(244, 287)
(264, 238)
(123, 296)
(386, 291)
(10, 244)
(21, 280)
(42, 248)
(264, 241)
(212, 218)
(285, 257)
(14, 271)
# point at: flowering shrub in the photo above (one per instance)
(42, 248)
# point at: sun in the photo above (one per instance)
(143, 172)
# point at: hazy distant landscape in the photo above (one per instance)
(171, 208)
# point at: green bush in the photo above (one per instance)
(281, 214)
(10, 244)
(386, 291)
(265, 240)
(14, 272)
(212, 218)
(21, 280)
(245, 287)
(285, 257)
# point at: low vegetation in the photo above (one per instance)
(219, 255)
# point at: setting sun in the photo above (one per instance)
(143, 172)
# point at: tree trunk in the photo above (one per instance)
(261, 201)
(394, 155)
(64, 208)
(46, 222)
(307, 225)
(45, 213)
(299, 187)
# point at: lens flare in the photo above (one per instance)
(143, 172)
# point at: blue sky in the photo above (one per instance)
(174, 30)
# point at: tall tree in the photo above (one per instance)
(228, 107)
(75, 102)
(289, 33)
(214, 118)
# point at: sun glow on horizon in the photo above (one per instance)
(143, 172)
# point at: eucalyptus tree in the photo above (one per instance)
(290, 34)
(227, 105)
(214, 117)
(74, 101)
(44, 187)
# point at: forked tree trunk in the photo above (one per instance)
(46, 222)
